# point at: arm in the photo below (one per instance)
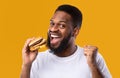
(95, 71)
(28, 58)
(25, 73)
(90, 53)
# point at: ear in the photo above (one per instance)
(76, 31)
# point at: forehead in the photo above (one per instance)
(61, 16)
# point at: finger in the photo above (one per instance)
(88, 50)
(26, 43)
(87, 47)
(85, 53)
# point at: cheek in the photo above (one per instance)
(67, 32)
(64, 33)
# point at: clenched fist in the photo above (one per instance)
(90, 53)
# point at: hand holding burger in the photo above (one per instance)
(30, 50)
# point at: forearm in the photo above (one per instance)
(25, 73)
(95, 71)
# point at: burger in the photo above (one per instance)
(36, 44)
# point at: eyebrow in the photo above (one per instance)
(60, 21)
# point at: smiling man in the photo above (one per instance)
(64, 59)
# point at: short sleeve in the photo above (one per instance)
(102, 66)
(37, 65)
(34, 69)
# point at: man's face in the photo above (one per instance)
(60, 31)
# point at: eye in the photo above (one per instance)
(52, 23)
(62, 26)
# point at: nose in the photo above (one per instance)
(54, 28)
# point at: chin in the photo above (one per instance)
(55, 46)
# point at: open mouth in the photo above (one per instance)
(55, 39)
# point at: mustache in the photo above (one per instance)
(54, 32)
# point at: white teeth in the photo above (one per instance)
(54, 36)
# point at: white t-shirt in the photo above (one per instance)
(48, 65)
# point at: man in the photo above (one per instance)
(64, 59)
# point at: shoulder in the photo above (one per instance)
(42, 54)
(79, 48)
(100, 61)
(99, 57)
(102, 66)
(41, 57)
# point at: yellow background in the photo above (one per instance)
(22, 19)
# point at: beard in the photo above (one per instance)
(63, 45)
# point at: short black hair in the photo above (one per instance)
(74, 12)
